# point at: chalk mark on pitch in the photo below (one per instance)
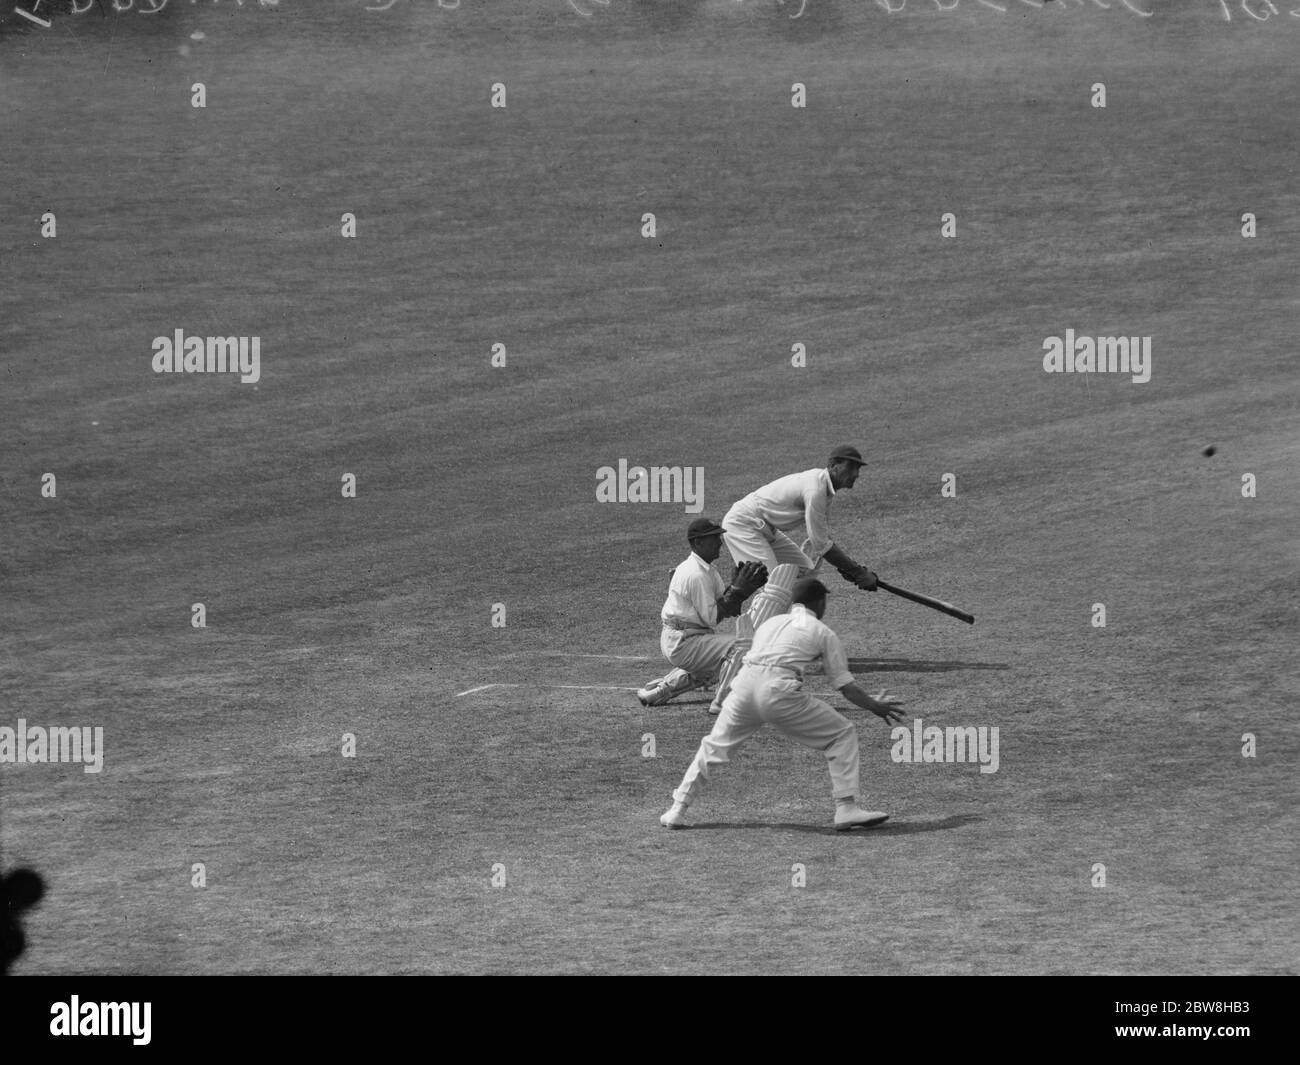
(577, 687)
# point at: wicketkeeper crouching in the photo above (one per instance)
(698, 600)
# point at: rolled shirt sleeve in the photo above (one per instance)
(817, 504)
(835, 662)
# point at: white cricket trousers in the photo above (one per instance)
(697, 656)
(753, 540)
(766, 695)
(700, 654)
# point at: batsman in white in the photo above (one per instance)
(697, 601)
(769, 691)
(754, 531)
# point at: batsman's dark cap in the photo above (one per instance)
(702, 527)
(808, 590)
(848, 451)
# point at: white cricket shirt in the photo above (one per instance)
(693, 594)
(796, 640)
(788, 501)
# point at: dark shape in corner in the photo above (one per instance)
(20, 890)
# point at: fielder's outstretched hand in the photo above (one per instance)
(886, 708)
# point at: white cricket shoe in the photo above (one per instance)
(854, 816)
(654, 694)
(675, 817)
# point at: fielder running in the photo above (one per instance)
(754, 530)
(769, 691)
(697, 601)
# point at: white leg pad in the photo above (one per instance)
(774, 597)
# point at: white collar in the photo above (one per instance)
(699, 560)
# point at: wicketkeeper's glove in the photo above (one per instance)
(749, 578)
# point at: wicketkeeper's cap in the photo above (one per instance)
(702, 527)
(848, 451)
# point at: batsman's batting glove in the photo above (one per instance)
(866, 580)
(860, 576)
(850, 573)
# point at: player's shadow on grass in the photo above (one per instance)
(873, 665)
(914, 665)
(889, 828)
(910, 828)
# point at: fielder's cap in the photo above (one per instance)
(848, 451)
(702, 527)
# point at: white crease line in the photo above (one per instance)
(34, 18)
(590, 687)
(482, 688)
(575, 654)
(574, 687)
